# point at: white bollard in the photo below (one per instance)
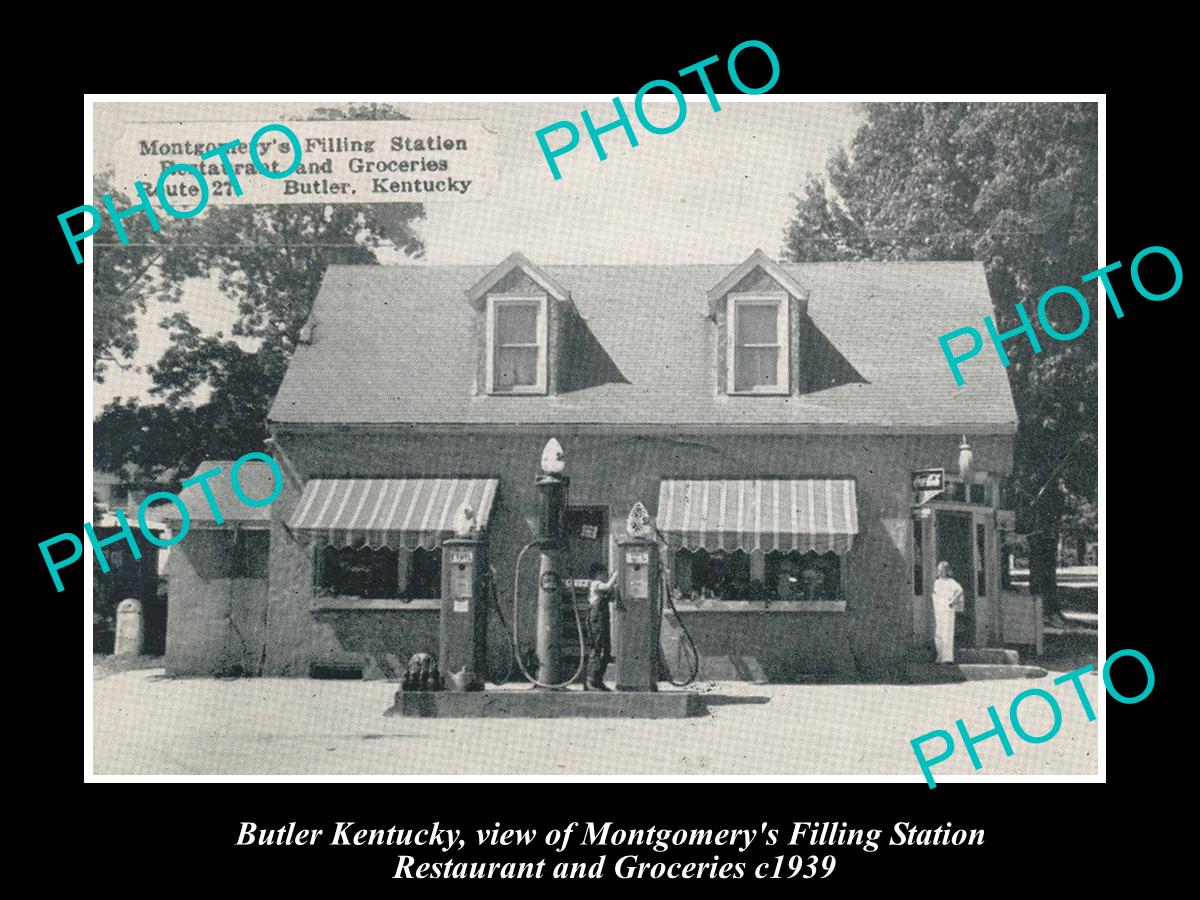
(129, 628)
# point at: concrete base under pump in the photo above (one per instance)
(533, 704)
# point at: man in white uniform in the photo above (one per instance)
(947, 600)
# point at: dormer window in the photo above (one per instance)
(516, 344)
(758, 344)
(522, 320)
(759, 311)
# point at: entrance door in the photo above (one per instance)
(587, 533)
(954, 546)
(587, 530)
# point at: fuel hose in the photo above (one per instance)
(515, 631)
(668, 603)
(495, 595)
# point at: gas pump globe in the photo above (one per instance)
(552, 488)
(553, 458)
(966, 459)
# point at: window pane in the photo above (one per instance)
(757, 323)
(700, 575)
(807, 576)
(358, 572)
(516, 366)
(1005, 559)
(516, 323)
(794, 576)
(918, 558)
(981, 550)
(755, 366)
(424, 574)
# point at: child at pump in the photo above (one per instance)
(599, 642)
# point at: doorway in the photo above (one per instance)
(587, 544)
(954, 545)
(587, 532)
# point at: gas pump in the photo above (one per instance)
(467, 593)
(456, 687)
(463, 630)
(637, 616)
(551, 543)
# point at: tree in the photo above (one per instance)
(270, 260)
(1014, 186)
(125, 276)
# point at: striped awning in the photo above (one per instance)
(764, 515)
(409, 512)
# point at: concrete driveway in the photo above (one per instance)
(145, 723)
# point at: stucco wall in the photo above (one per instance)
(215, 621)
(615, 470)
(789, 646)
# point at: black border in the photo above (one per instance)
(187, 838)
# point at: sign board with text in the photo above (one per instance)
(927, 484)
(357, 161)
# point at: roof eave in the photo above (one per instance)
(479, 290)
(1001, 428)
(757, 259)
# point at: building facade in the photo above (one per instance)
(770, 417)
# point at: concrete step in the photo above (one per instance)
(994, 655)
(936, 673)
(546, 704)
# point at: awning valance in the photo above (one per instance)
(408, 512)
(766, 515)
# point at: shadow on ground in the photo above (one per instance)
(1068, 652)
(103, 666)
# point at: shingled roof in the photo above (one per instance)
(394, 344)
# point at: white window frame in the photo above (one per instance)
(490, 349)
(783, 332)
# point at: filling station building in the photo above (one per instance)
(771, 417)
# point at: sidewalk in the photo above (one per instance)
(146, 723)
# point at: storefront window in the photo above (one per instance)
(808, 577)
(795, 576)
(378, 574)
(700, 575)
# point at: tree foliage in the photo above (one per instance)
(269, 259)
(1012, 185)
(125, 277)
